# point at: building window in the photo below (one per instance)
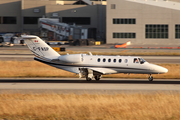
(31, 20)
(124, 35)
(113, 6)
(77, 20)
(124, 21)
(157, 31)
(177, 31)
(8, 20)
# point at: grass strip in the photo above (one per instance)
(157, 106)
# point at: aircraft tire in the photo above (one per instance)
(88, 79)
(150, 78)
(1, 40)
(97, 78)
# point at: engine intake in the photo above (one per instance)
(75, 58)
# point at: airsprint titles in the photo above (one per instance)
(41, 48)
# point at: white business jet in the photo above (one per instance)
(90, 65)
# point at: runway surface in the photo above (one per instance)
(76, 85)
(151, 59)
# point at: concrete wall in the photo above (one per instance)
(144, 14)
(173, 0)
(10, 8)
(49, 7)
(28, 7)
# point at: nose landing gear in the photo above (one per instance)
(88, 78)
(150, 78)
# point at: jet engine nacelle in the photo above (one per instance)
(75, 58)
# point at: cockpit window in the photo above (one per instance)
(136, 60)
(142, 61)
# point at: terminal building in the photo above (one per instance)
(22, 15)
(116, 21)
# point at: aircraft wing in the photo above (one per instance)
(103, 70)
(95, 70)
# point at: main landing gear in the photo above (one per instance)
(150, 78)
(97, 78)
(89, 74)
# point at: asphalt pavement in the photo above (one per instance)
(81, 86)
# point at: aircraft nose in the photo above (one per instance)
(158, 69)
(162, 70)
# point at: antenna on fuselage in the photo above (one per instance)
(90, 53)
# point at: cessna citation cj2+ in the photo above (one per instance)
(90, 65)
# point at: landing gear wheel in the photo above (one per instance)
(88, 79)
(97, 78)
(150, 78)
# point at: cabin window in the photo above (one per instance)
(104, 60)
(120, 60)
(99, 60)
(126, 60)
(136, 60)
(109, 60)
(114, 60)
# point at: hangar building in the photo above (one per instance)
(143, 21)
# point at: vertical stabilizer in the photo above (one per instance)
(39, 47)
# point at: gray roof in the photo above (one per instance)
(159, 3)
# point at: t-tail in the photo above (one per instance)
(39, 48)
